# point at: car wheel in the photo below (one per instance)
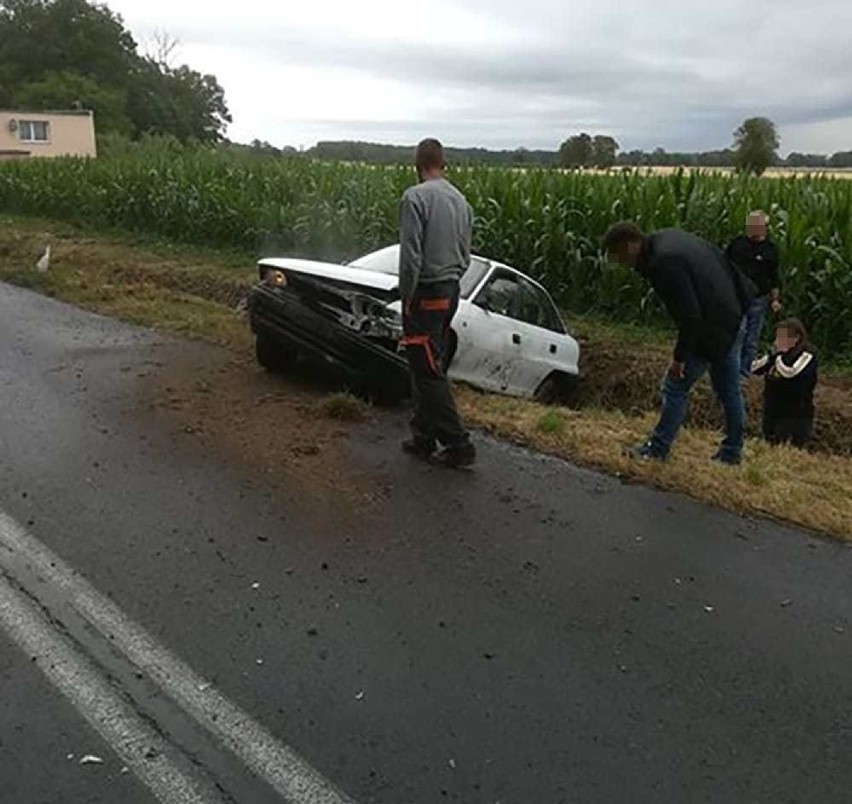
(556, 387)
(273, 356)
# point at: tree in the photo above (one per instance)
(755, 145)
(199, 103)
(162, 48)
(635, 158)
(576, 151)
(68, 90)
(56, 52)
(796, 159)
(180, 102)
(842, 159)
(263, 148)
(604, 151)
(724, 158)
(40, 37)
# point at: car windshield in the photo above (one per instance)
(386, 261)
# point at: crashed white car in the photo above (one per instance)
(506, 337)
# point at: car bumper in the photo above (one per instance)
(282, 316)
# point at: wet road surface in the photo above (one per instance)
(528, 632)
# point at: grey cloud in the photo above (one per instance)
(651, 73)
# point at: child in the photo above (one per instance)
(788, 393)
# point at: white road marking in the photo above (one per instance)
(287, 773)
(125, 731)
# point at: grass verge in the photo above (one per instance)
(192, 292)
(808, 489)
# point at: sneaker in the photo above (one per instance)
(642, 452)
(419, 448)
(456, 457)
(727, 460)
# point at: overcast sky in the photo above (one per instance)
(508, 73)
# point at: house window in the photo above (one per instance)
(34, 130)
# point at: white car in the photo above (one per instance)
(506, 337)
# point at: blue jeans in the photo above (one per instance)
(754, 318)
(725, 378)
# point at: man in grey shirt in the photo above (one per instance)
(435, 241)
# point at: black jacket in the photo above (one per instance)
(702, 290)
(758, 261)
(788, 391)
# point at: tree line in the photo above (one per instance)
(755, 148)
(64, 54)
(376, 153)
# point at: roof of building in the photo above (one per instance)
(71, 112)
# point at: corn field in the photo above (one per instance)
(546, 222)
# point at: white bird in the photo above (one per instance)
(43, 264)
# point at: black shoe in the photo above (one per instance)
(727, 460)
(419, 448)
(456, 457)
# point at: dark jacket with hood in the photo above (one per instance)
(704, 293)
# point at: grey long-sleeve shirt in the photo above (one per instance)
(436, 225)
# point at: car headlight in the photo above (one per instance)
(275, 278)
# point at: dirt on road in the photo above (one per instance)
(282, 434)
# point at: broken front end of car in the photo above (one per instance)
(353, 329)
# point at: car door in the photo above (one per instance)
(562, 351)
(544, 343)
(499, 338)
(486, 351)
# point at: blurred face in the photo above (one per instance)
(785, 339)
(626, 254)
(756, 227)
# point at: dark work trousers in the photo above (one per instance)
(426, 322)
(788, 431)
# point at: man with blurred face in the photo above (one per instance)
(706, 297)
(757, 257)
(435, 241)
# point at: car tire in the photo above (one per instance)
(556, 387)
(273, 356)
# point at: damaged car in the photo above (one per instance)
(507, 336)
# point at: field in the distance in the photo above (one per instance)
(771, 173)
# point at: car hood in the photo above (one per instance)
(335, 273)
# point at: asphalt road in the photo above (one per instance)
(366, 628)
